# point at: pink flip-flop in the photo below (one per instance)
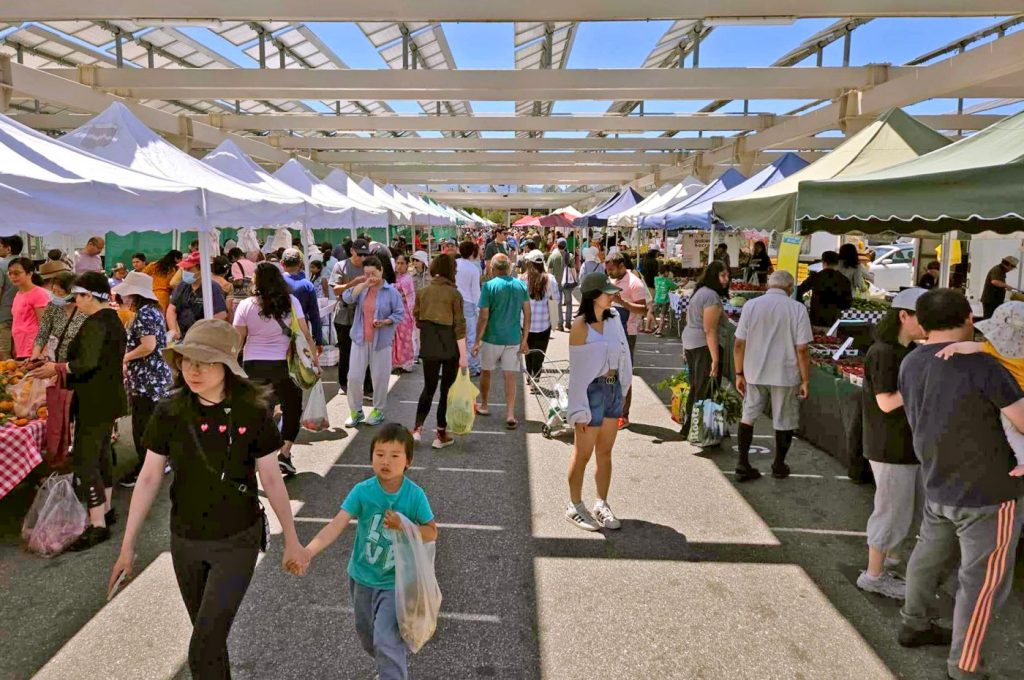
(480, 411)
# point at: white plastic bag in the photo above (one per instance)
(417, 595)
(314, 416)
(60, 519)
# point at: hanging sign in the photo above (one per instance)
(789, 253)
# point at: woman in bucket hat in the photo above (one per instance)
(147, 375)
(217, 434)
(1004, 340)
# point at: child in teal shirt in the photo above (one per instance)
(662, 285)
(375, 503)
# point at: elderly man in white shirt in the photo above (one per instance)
(773, 364)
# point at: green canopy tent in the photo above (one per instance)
(973, 186)
(894, 137)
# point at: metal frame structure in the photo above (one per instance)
(300, 99)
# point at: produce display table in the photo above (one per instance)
(20, 452)
(831, 419)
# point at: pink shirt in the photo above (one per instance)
(88, 263)
(634, 290)
(369, 313)
(264, 340)
(26, 325)
(243, 267)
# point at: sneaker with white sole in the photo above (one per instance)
(605, 516)
(886, 585)
(417, 434)
(286, 466)
(578, 515)
(442, 439)
(376, 417)
(355, 418)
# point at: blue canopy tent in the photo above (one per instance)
(698, 215)
(729, 179)
(598, 217)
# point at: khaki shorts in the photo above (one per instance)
(785, 405)
(500, 357)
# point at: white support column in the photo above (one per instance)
(945, 266)
(204, 264)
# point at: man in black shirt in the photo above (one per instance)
(831, 292)
(971, 500)
(994, 292)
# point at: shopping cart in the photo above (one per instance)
(551, 387)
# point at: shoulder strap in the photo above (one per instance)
(222, 476)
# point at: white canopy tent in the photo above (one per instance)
(47, 186)
(229, 159)
(295, 175)
(345, 185)
(398, 209)
(118, 136)
(656, 202)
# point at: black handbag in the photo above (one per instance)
(437, 341)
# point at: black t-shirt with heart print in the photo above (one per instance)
(203, 506)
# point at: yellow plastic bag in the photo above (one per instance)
(461, 400)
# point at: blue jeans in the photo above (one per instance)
(377, 626)
(605, 400)
(470, 311)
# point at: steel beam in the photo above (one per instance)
(491, 122)
(46, 87)
(526, 199)
(518, 158)
(506, 177)
(459, 10)
(487, 85)
(497, 170)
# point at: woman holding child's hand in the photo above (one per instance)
(217, 433)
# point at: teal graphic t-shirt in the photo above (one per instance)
(372, 563)
(504, 296)
(662, 285)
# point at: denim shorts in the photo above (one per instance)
(605, 401)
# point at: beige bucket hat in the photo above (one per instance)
(210, 341)
(136, 283)
(1005, 330)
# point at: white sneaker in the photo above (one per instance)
(578, 515)
(417, 434)
(605, 516)
(886, 585)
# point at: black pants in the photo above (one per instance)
(91, 461)
(698, 362)
(432, 369)
(344, 353)
(631, 340)
(275, 375)
(989, 308)
(213, 577)
(535, 360)
(142, 411)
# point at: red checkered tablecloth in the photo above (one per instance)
(20, 452)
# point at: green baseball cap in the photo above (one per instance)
(598, 281)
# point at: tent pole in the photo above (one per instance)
(204, 263)
(945, 266)
(711, 245)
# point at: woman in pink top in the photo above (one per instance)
(402, 354)
(263, 322)
(28, 307)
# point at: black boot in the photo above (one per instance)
(783, 440)
(745, 472)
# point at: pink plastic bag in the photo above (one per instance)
(60, 518)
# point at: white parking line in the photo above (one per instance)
(365, 466)
(469, 527)
(823, 532)
(485, 470)
(455, 616)
(797, 476)
(441, 469)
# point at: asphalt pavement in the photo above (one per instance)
(706, 579)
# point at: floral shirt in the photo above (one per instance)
(149, 376)
(53, 326)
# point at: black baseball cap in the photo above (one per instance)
(361, 247)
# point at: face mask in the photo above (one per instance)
(57, 299)
(188, 277)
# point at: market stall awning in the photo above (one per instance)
(47, 186)
(298, 177)
(727, 180)
(656, 202)
(347, 187)
(399, 210)
(118, 136)
(625, 199)
(894, 137)
(973, 185)
(232, 161)
(698, 215)
(527, 221)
